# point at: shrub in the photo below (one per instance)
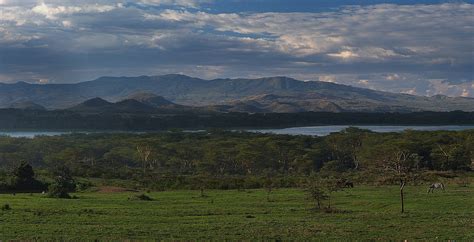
(58, 190)
(141, 197)
(6, 207)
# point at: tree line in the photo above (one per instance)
(69, 120)
(223, 159)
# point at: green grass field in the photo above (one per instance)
(369, 213)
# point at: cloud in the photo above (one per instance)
(329, 78)
(443, 87)
(52, 12)
(400, 48)
(410, 91)
(183, 3)
(393, 77)
(43, 81)
(345, 54)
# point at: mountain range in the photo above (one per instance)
(180, 92)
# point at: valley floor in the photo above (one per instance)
(364, 213)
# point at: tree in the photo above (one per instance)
(24, 172)
(396, 161)
(451, 156)
(316, 192)
(24, 178)
(269, 183)
(63, 183)
(144, 152)
(344, 146)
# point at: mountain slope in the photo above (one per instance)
(273, 94)
(26, 105)
(151, 99)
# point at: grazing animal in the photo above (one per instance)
(344, 183)
(434, 186)
(349, 184)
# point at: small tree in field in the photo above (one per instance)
(321, 189)
(394, 160)
(317, 193)
(269, 184)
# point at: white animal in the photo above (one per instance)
(434, 186)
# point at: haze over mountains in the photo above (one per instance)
(179, 92)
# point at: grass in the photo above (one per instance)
(369, 213)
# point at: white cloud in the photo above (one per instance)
(43, 81)
(183, 3)
(393, 77)
(345, 54)
(67, 23)
(410, 91)
(328, 78)
(465, 93)
(438, 86)
(52, 12)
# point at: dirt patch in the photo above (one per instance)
(111, 189)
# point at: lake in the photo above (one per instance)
(326, 130)
(314, 130)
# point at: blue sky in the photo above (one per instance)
(422, 47)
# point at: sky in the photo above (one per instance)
(422, 47)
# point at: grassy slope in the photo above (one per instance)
(373, 213)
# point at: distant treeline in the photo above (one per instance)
(226, 159)
(67, 120)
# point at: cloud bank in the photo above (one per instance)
(423, 49)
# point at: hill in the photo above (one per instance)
(151, 99)
(26, 105)
(272, 94)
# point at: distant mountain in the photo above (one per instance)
(26, 105)
(151, 99)
(150, 105)
(273, 94)
(99, 105)
(93, 105)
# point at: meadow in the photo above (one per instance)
(364, 212)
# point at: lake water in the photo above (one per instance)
(326, 130)
(314, 130)
(30, 134)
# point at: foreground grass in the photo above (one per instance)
(369, 213)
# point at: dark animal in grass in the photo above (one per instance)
(436, 186)
(344, 183)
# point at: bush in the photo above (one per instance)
(6, 207)
(141, 197)
(57, 190)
